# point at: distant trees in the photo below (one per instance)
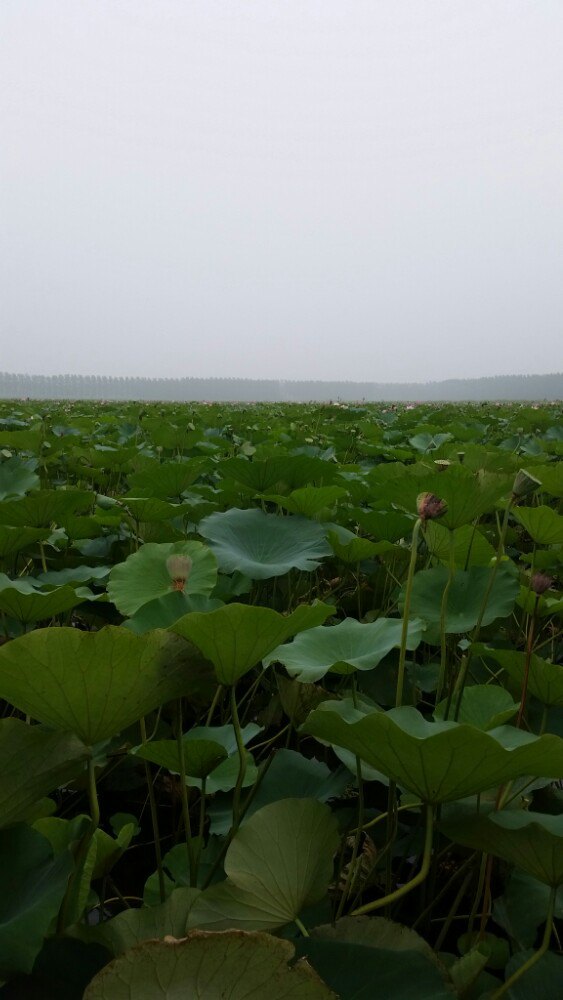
(500, 387)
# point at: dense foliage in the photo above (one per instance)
(282, 701)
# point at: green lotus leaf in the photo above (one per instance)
(264, 545)
(94, 684)
(551, 477)
(388, 525)
(279, 862)
(33, 763)
(345, 647)
(310, 501)
(438, 761)
(151, 510)
(467, 495)
(22, 600)
(17, 477)
(74, 575)
(544, 525)
(163, 611)
(32, 886)
(484, 706)
(209, 966)
(45, 508)
(13, 540)
(201, 756)
(467, 593)
(238, 636)
(288, 472)
(144, 575)
(355, 549)
(133, 926)
(545, 679)
(166, 480)
(470, 547)
(358, 952)
(531, 841)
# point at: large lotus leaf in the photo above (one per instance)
(280, 861)
(279, 474)
(467, 495)
(13, 540)
(169, 479)
(551, 477)
(388, 525)
(208, 966)
(484, 706)
(545, 679)
(358, 952)
(144, 575)
(541, 981)
(531, 841)
(438, 761)
(223, 776)
(26, 440)
(544, 525)
(32, 886)
(264, 545)
(310, 501)
(238, 636)
(289, 776)
(465, 598)
(33, 762)
(163, 611)
(523, 907)
(22, 600)
(17, 477)
(74, 575)
(133, 926)
(350, 645)
(94, 683)
(152, 509)
(470, 546)
(42, 509)
(354, 550)
(200, 756)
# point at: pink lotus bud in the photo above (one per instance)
(540, 582)
(178, 567)
(429, 506)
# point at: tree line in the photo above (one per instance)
(108, 387)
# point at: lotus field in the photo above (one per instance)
(281, 698)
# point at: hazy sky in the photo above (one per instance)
(332, 189)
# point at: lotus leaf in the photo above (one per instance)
(208, 966)
(438, 761)
(264, 545)
(345, 647)
(95, 684)
(238, 636)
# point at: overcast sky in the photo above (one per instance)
(331, 189)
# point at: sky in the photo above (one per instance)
(289, 189)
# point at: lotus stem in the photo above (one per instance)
(406, 609)
(154, 817)
(242, 759)
(418, 879)
(83, 847)
(184, 793)
(537, 954)
(529, 647)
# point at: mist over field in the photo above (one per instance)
(306, 190)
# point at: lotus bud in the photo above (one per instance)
(429, 506)
(540, 582)
(524, 484)
(178, 567)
